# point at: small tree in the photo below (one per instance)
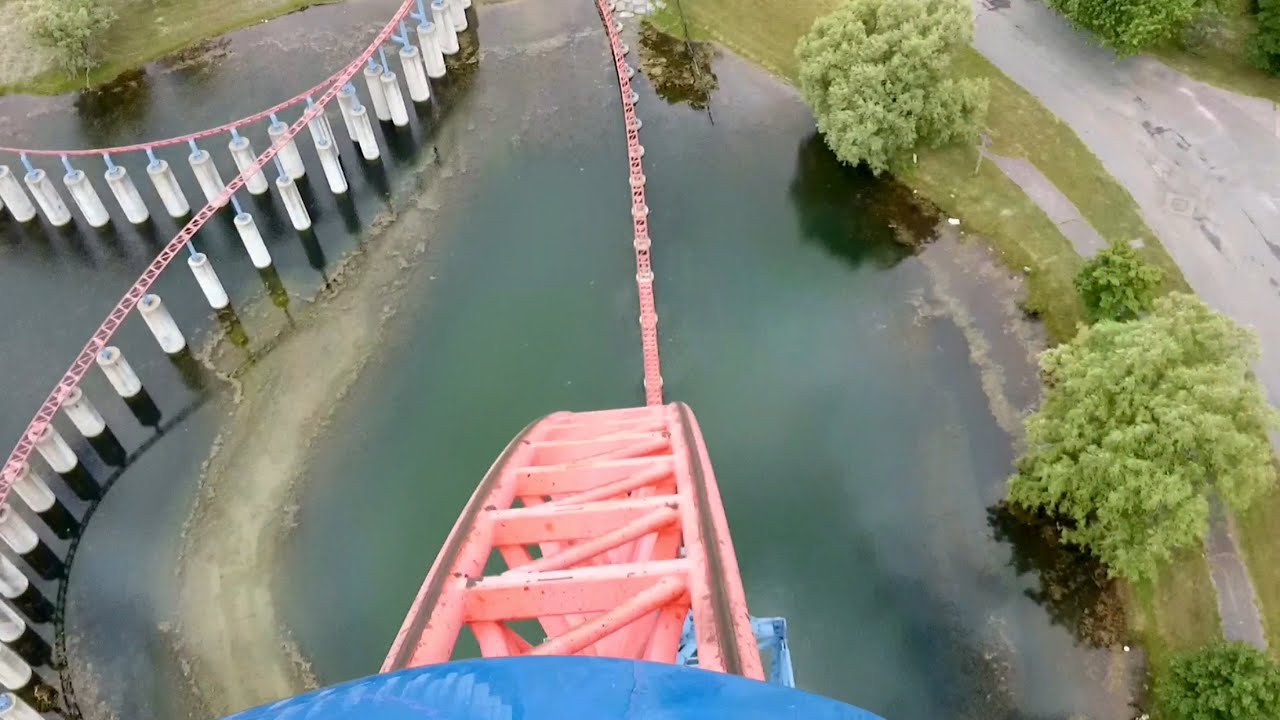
(1264, 46)
(1141, 423)
(71, 29)
(1224, 681)
(878, 76)
(1130, 26)
(1117, 285)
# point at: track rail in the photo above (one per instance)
(85, 359)
(639, 211)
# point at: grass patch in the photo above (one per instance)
(148, 30)
(1257, 531)
(767, 31)
(1219, 59)
(1177, 612)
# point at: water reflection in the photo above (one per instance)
(1074, 588)
(117, 109)
(853, 214)
(680, 71)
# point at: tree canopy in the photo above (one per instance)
(1130, 26)
(1264, 46)
(1224, 681)
(1141, 423)
(70, 28)
(878, 75)
(1116, 284)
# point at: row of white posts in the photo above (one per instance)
(21, 647)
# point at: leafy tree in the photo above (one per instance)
(1264, 46)
(1130, 26)
(71, 28)
(1142, 421)
(878, 76)
(1117, 285)
(1224, 681)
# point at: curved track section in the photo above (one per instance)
(130, 300)
(612, 532)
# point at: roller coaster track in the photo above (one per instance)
(609, 524)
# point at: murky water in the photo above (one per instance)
(852, 440)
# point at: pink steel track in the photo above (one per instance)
(116, 317)
(624, 513)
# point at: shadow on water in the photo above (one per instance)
(679, 70)
(853, 214)
(114, 110)
(1074, 588)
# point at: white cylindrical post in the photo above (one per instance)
(364, 133)
(14, 197)
(347, 101)
(86, 198)
(34, 491)
(13, 707)
(17, 534)
(208, 279)
(321, 130)
(373, 80)
(458, 14)
(119, 372)
(332, 168)
(415, 75)
(395, 100)
(127, 195)
(206, 174)
(288, 154)
(161, 324)
(12, 582)
(47, 197)
(167, 187)
(446, 35)
(15, 587)
(243, 155)
(431, 55)
(83, 414)
(293, 204)
(15, 673)
(252, 239)
(55, 450)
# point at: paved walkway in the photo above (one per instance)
(1058, 207)
(1203, 165)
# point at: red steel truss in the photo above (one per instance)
(611, 531)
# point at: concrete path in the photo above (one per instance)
(1203, 165)
(1058, 207)
(1237, 600)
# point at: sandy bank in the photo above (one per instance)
(235, 652)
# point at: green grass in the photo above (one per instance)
(148, 30)
(1178, 612)
(1258, 528)
(767, 31)
(1221, 59)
